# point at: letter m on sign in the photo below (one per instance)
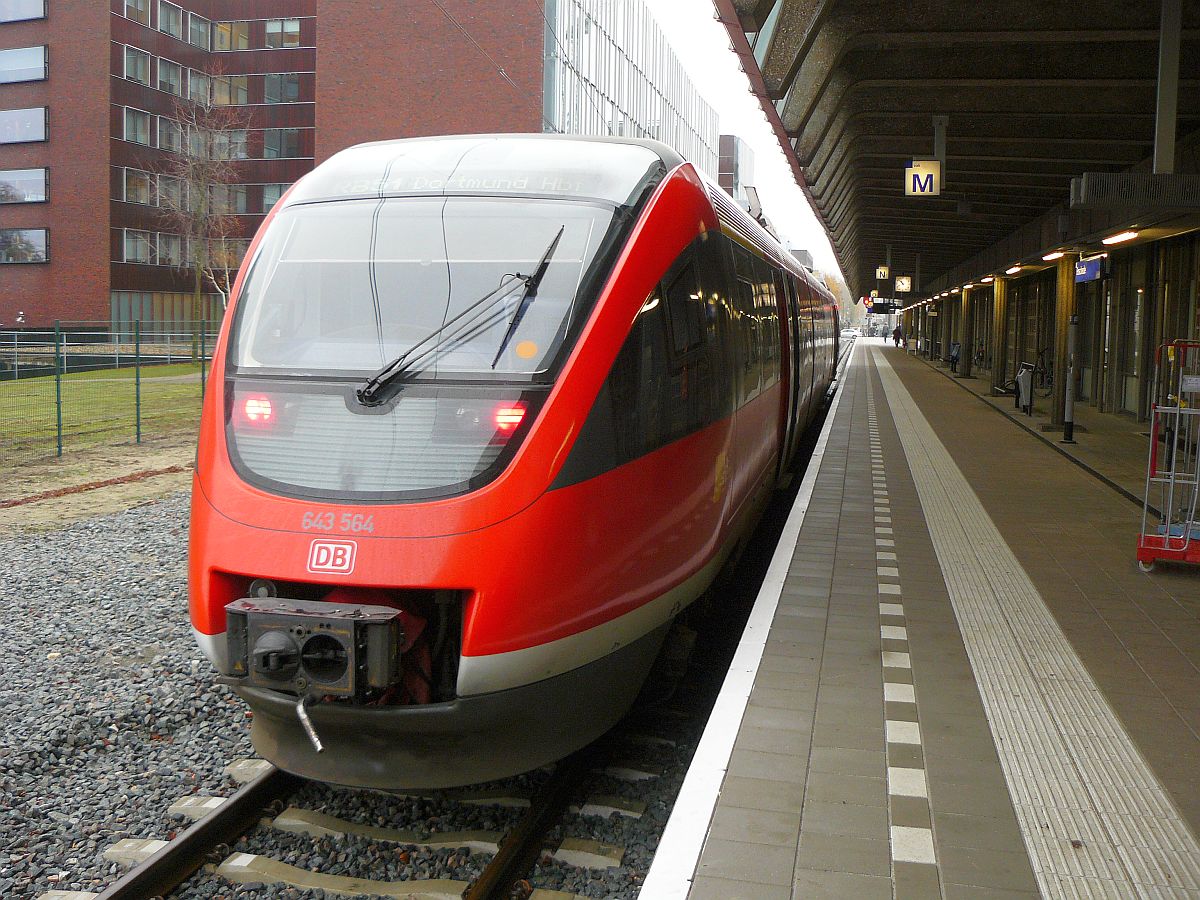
(923, 178)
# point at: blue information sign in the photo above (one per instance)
(1089, 269)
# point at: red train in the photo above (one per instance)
(487, 412)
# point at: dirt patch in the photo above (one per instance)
(94, 481)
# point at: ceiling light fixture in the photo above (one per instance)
(1120, 237)
(1012, 270)
(1057, 254)
(987, 279)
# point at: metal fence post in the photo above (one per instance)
(137, 377)
(203, 353)
(58, 372)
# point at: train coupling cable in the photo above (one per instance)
(306, 722)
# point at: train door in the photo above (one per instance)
(789, 365)
(806, 352)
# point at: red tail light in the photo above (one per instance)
(257, 410)
(508, 416)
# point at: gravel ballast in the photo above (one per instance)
(111, 714)
(110, 711)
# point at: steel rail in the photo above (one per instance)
(169, 867)
(522, 846)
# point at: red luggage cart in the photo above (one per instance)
(1172, 474)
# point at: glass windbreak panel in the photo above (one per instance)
(24, 245)
(22, 64)
(20, 10)
(23, 185)
(304, 438)
(348, 287)
(20, 125)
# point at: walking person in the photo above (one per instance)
(896, 333)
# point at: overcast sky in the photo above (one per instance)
(703, 47)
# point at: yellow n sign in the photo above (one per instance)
(923, 178)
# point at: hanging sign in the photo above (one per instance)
(1089, 269)
(923, 178)
(881, 273)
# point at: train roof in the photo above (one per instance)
(614, 170)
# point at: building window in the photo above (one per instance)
(139, 246)
(24, 245)
(170, 192)
(199, 86)
(18, 126)
(281, 143)
(282, 88)
(170, 250)
(271, 195)
(137, 187)
(170, 19)
(137, 126)
(170, 77)
(229, 144)
(24, 185)
(231, 90)
(283, 33)
(230, 199)
(199, 31)
(231, 36)
(170, 135)
(137, 65)
(22, 64)
(22, 10)
(138, 10)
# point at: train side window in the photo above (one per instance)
(685, 309)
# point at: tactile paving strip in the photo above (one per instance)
(1078, 784)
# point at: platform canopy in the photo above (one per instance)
(1032, 95)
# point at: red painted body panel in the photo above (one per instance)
(593, 550)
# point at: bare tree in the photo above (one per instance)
(196, 190)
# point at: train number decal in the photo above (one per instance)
(347, 523)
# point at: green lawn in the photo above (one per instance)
(97, 408)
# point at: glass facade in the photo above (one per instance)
(609, 71)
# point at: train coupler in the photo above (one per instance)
(312, 648)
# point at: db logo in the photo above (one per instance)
(332, 556)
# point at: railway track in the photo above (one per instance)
(276, 806)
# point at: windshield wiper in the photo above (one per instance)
(368, 394)
(531, 289)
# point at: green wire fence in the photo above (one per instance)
(82, 384)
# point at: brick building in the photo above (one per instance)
(91, 95)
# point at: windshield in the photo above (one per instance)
(347, 287)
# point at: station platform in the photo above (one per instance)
(955, 682)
